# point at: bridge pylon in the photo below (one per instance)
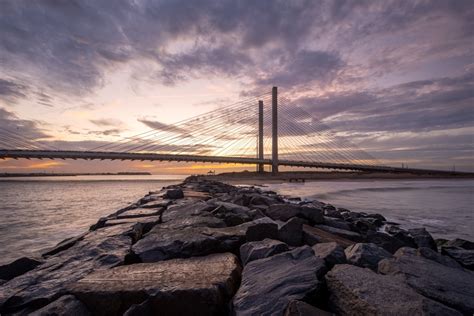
(274, 130)
(260, 166)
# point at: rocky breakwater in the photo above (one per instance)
(207, 248)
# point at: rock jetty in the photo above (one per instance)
(207, 248)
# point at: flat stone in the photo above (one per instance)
(18, 267)
(359, 291)
(140, 212)
(313, 235)
(291, 232)
(341, 232)
(299, 308)
(428, 254)
(164, 242)
(463, 256)
(65, 305)
(254, 250)
(366, 255)
(197, 286)
(451, 286)
(284, 212)
(385, 241)
(331, 252)
(268, 285)
(422, 238)
(98, 250)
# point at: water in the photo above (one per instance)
(444, 207)
(37, 213)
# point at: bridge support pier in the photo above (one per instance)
(260, 167)
(274, 130)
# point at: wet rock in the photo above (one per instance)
(284, 212)
(65, 305)
(174, 194)
(169, 240)
(313, 235)
(332, 212)
(422, 238)
(336, 223)
(366, 255)
(232, 214)
(268, 285)
(330, 252)
(63, 245)
(101, 249)
(140, 212)
(18, 267)
(291, 232)
(385, 241)
(461, 243)
(261, 249)
(299, 308)
(341, 232)
(262, 228)
(463, 256)
(358, 291)
(451, 286)
(197, 286)
(428, 254)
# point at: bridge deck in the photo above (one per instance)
(41, 154)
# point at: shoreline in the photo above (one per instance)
(243, 250)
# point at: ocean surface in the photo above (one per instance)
(37, 213)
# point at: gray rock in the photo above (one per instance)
(314, 235)
(65, 305)
(174, 194)
(194, 286)
(268, 285)
(358, 291)
(341, 232)
(428, 254)
(261, 249)
(458, 242)
(101, 249)
(330, 252)
(299, 308)
(451, 286)
(284, 212)
(18, 267)
(291, 232)
(463, 256)
(385, 241)
(422, 238)
(337, 223)
(262, 228)
(366, 255)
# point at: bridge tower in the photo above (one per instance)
(274, 130)
(260, 167)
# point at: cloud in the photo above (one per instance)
(106, 122)
(11, 90)
(164, 127)
(16, 132)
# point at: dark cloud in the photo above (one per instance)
(10, 90)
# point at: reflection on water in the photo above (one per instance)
(37, 213)
(444, 207)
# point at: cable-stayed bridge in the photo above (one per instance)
(265, 130)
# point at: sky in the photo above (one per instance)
(395, 78)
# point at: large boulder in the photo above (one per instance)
(261, 228)
(261, 249)
(18, 267)
(366, 255)
(174, 194)
(299, 308)
(422, 238)
(330, 252)
(385, 241)
(284, 212)
(458, 242)
(269, 284)
(463, 256)
(314, 235)
(341, 232)
(291, 232)
(65, 305)
(359, 291)
(451, 286)
(428, 253)
(197, 286)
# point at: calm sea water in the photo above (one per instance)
(37, 213)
